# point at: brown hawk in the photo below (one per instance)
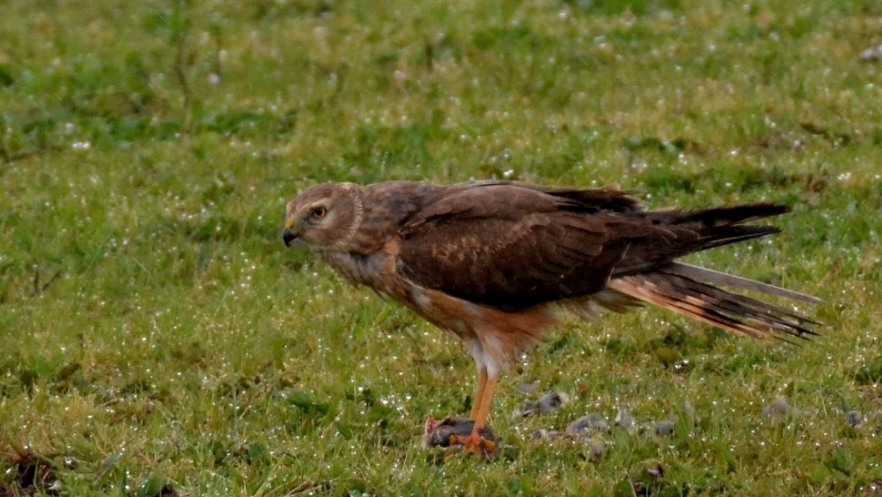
(494, 263)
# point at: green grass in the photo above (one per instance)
(154, 332)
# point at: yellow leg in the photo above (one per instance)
(483, 402)
(482, 385)
(475, 443)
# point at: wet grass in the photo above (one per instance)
(157, 339)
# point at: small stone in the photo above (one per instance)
(778, 407)
(656, 472)
(872, 53)
(875, 488)
(624, 420)
(545, 404)
(551, 401)
(854, 418)
(590, 422)
(665, 427)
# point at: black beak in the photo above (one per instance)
(288, 236)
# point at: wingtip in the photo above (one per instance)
(720, 278)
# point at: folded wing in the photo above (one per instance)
(513, 246)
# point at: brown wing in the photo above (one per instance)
(513, 246)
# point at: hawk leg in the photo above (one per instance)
(482, 386)
(474, 443)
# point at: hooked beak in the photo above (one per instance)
(288, 236)
(291, 233)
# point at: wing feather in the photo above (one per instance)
(513, 247)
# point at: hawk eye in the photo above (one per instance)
(319, 212)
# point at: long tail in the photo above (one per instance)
(690, 231)
(690, 291)
(719, 226)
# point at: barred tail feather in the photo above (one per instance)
(671, 289)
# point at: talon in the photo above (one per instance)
(474, 444)
(459, 432)
(481, 446)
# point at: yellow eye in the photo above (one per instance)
(318, 212)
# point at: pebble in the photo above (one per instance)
(545, 404)
(624, 420)
(591, 422)
(854, 418)
(665, 427)
(872, 53)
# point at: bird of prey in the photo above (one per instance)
(496, 263)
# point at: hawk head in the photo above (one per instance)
(325, 216)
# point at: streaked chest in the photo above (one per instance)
(378, 272)
(374, 270)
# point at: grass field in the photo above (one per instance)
(156, 338)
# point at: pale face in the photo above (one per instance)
(324, 216)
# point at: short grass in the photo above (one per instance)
(157, 339)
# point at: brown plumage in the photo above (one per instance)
(495, 263)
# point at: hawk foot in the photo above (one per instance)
(457, 431)
(475, 444)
